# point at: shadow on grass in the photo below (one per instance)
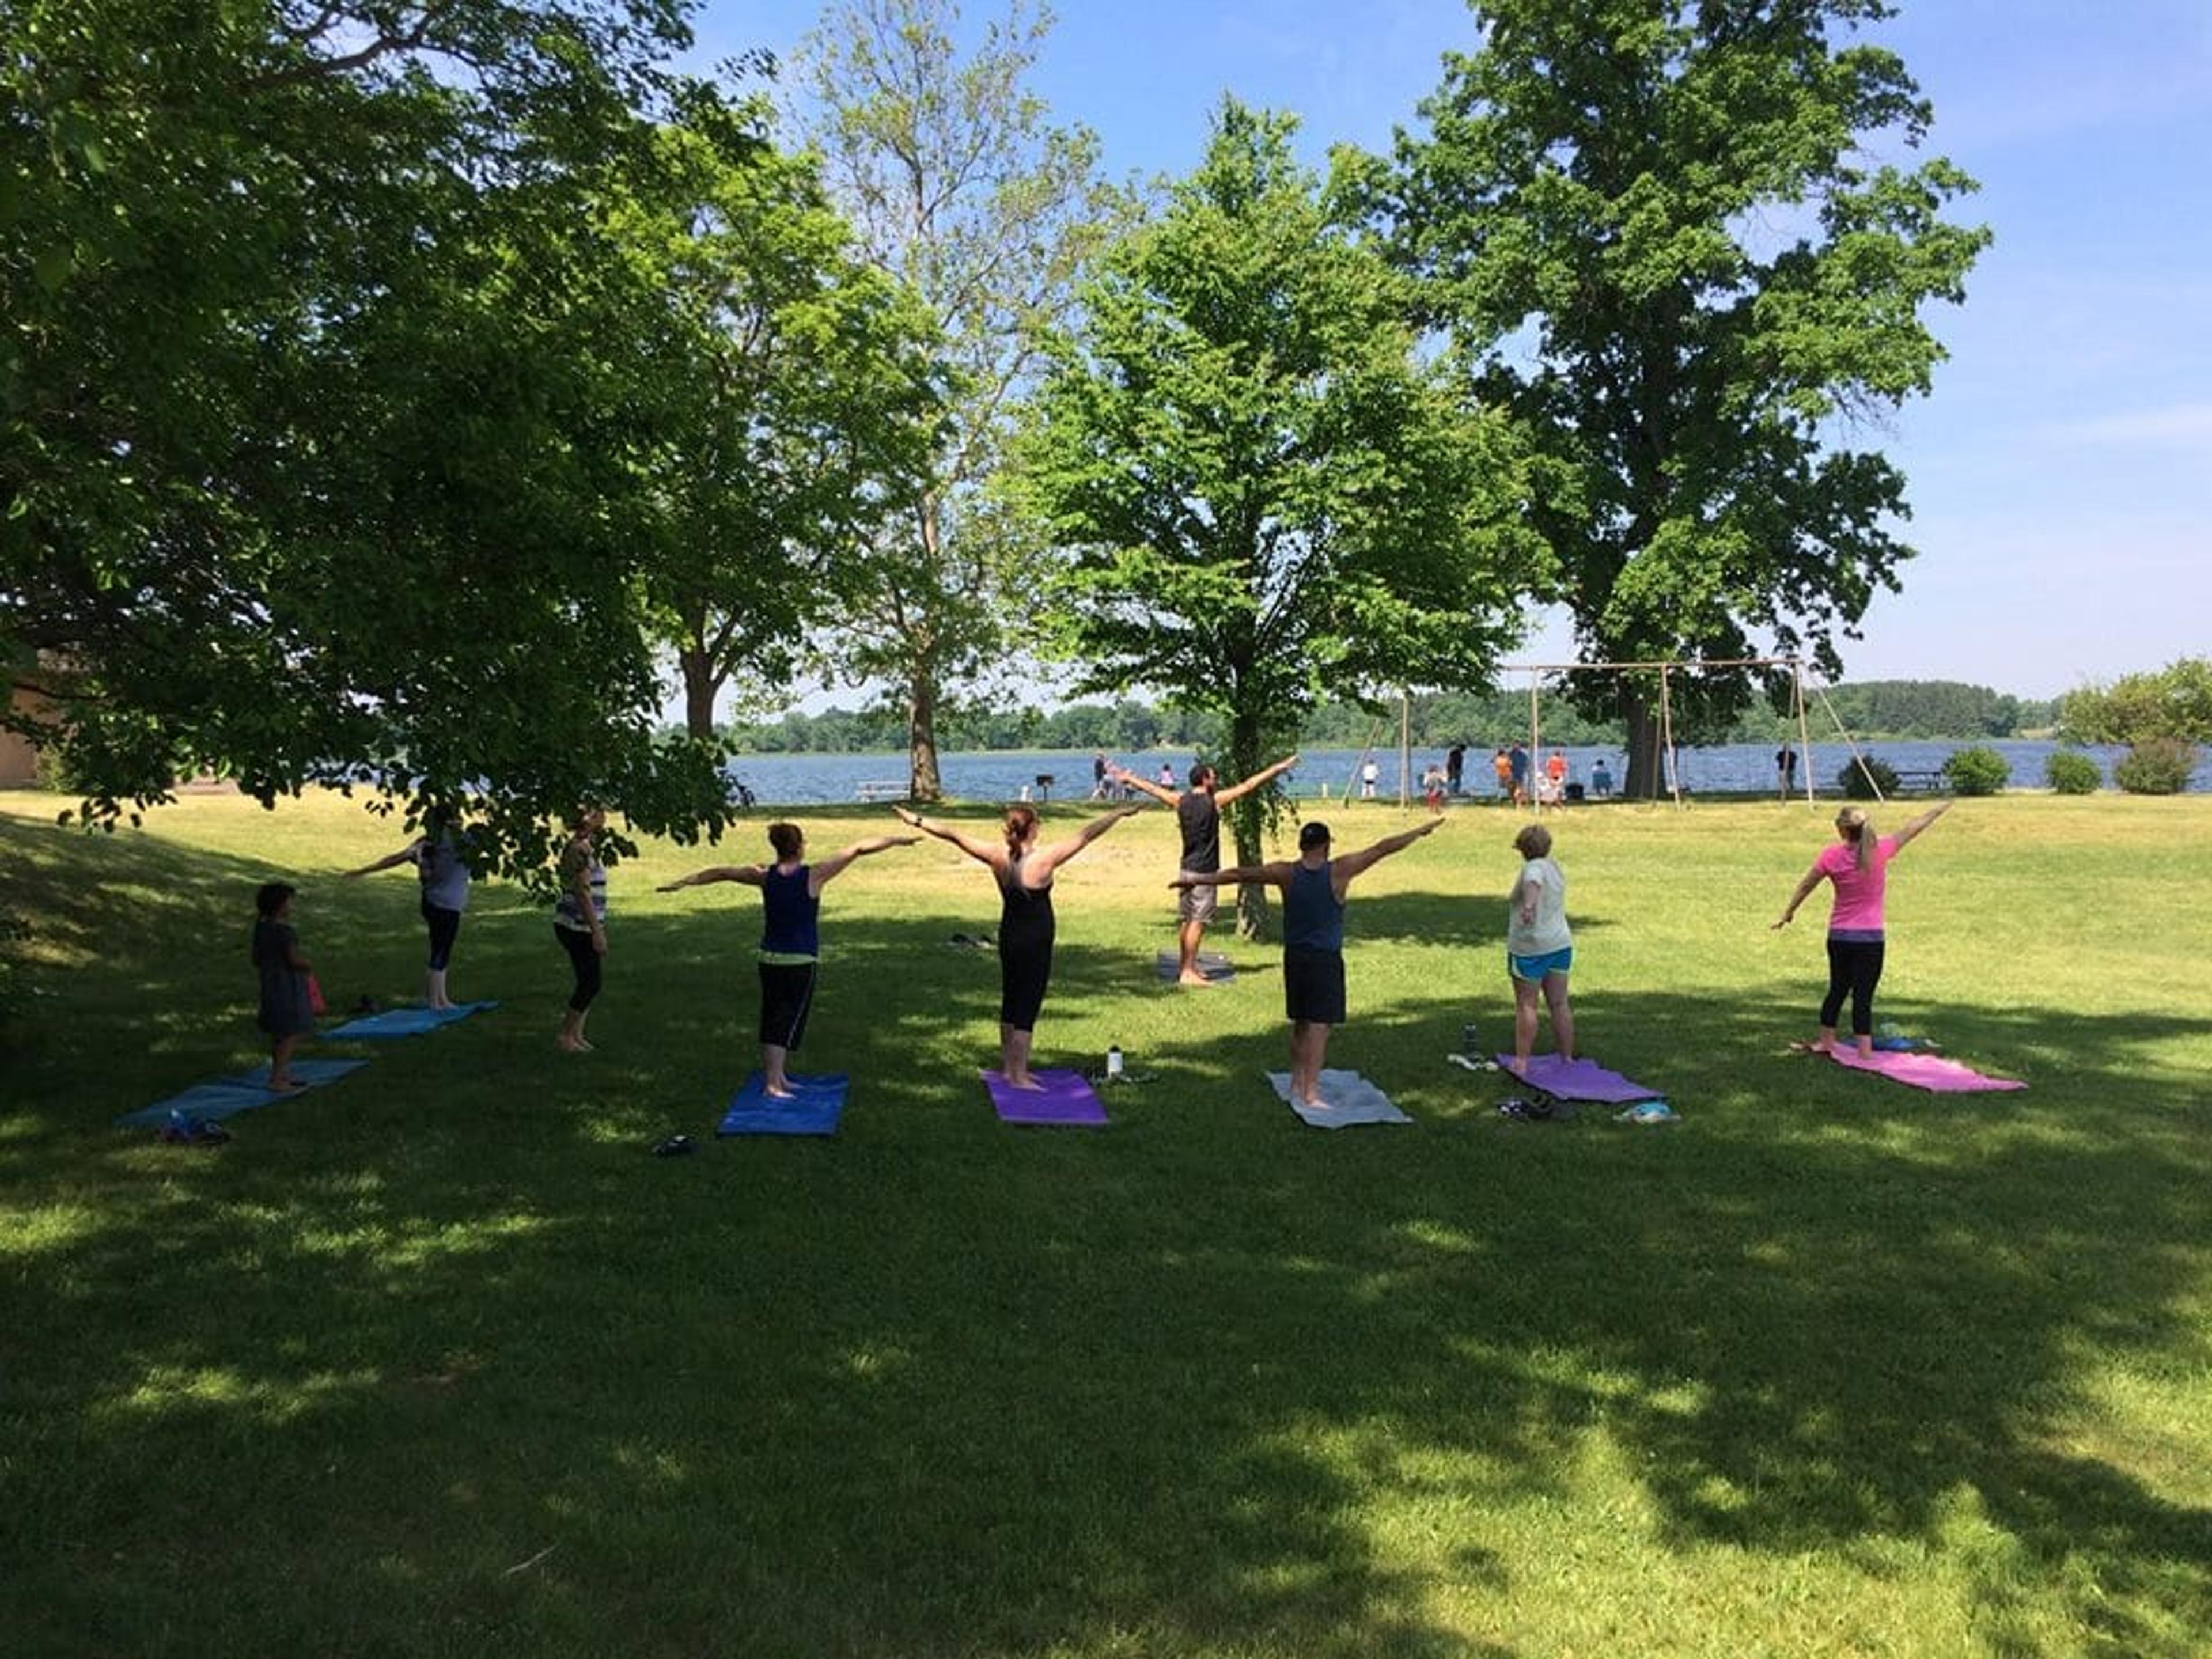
(443, 1355)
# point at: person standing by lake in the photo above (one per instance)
(1314, 887)
(443, 870)
(580, 921)
(1023, 872)
(1198, 815)
(1785, 770)
(790, 946)
(1858, 863)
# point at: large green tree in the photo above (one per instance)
(806, 403)
(1268, 494)
(959, 186)
(326, 397)
(1664, 230)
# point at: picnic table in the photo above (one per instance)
(870, 790)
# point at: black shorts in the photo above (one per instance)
(1313, 985)
(787, 994)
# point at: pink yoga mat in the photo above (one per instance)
(1929, 1072)
(1065, 1098)
(1576, 1079)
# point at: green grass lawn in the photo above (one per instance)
(438, 1359)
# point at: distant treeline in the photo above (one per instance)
(1873, 708)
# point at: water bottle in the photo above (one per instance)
(1114, 1063)
(1470, 1043)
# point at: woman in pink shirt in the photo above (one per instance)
(1859, 866)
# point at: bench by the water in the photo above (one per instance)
(872, 790)
(1921, 780)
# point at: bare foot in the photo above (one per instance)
(283, 1086)
(571, 1045)
(774, 1093)
(1192, 979)
(1028, 1083)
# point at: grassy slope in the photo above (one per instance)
(437, 1360)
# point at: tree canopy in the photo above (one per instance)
(1657, 227)
(330, 396)
(1265, 492)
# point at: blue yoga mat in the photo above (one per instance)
(406, 1022)
(813, 1111)
(225, 1097)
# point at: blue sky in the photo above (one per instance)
(2061, 474)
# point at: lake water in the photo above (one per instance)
(1002, 776)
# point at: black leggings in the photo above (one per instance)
(586, 960)
(1854, 970)
(444, 928)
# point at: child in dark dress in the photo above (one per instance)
(285, 1013)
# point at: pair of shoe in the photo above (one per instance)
(675, 1146)
(1526, 1111)
(974, 942)
(185, 1130)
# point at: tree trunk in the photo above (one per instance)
(1647, 776)
(1247, 819)
(924, 784)
(700, 682)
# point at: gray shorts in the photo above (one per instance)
(1198, 904)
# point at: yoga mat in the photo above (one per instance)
(1576, 1079)
(405, 1022)
(1351, 1100)
(209, 1102)
(814, 1109)
(1931, 1072)
(1065, 1098)
(1211, 965)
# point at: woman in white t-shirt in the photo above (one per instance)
(1540, 949)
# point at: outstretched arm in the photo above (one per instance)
(1123, 776)
(1813, 879)
(991, 853)
(1918, 824)
(820, 875)
(1352, 863)
(1046, 860)
(1264, 775)
(1278, 875)
(750, 874)
(404, 855)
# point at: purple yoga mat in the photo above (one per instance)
(1065, 1098)
(1929, 1072)
(1576, 1079)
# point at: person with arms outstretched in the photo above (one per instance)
(1857, 862)
(441, 862)
(790, 947)
(1023, 872)
(1314, 887)
(1197, 814)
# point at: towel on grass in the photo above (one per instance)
(1351, 1099)
(1931, 1072)
(406, 1022)
(1211, 964)
(813, 1109)
(209, 1101)
(1065, 1098)
(1576, 1079)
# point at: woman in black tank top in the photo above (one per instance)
(1023, 872)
